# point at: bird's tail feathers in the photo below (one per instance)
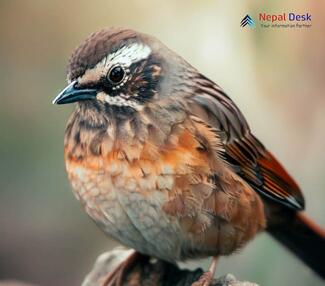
(305, 239)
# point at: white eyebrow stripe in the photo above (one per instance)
(127, 55)
(124, 56)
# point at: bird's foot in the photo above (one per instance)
(205, 279)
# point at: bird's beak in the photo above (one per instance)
(72, 94)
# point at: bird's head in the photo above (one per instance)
(120, 69)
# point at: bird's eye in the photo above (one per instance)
(116, 74)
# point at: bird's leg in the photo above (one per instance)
(207, 277)
(117, 275)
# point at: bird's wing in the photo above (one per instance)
(243, 151)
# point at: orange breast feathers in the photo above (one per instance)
(185, 166)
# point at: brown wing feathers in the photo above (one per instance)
(264, 173)
(247, 156)
(279, 183)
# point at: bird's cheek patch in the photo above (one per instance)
(120, 100)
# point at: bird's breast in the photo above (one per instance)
(127, 201)
(162, 198)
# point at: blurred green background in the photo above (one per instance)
(275, 76)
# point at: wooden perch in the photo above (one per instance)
(144, 272)
(149, 272)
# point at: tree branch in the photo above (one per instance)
(148, 272)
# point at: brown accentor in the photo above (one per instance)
(164, 161)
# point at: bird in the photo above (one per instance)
(164, 162)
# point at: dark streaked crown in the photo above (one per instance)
(95, 47)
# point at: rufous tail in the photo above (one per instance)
(305, 239)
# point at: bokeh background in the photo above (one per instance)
(276, 76)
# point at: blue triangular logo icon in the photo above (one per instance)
(247, 20)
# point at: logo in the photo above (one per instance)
(282, 20)
(247, 20)
(285, 20)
